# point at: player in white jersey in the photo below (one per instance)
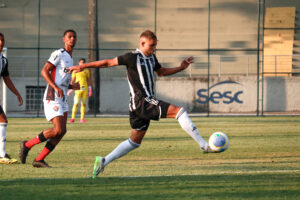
(4, 157)
(53, 104)
(55, 100)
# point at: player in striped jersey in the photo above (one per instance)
(55, 100)
(141, 66)
(4, 157)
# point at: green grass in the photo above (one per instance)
(262, 162)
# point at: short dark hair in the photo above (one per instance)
(70, 30)
(83, 59)
(148, 34)
(2, 35)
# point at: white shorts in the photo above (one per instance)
(55, 108)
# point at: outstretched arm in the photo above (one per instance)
(12, 88)
(96, 64)
(169, 71)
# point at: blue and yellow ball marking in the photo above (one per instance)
(218, 141)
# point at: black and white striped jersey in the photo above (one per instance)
(140, 74)
(3, 66)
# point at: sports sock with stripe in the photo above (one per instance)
(46, 151)
(36, 140)
(121, 150)
(189, 127)
(3, 139)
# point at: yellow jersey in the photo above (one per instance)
(82, 78)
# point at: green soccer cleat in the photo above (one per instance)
(98, 166)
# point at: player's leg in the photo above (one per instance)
(77, 98)
(54, 113)
(4, 157)
(126, 146)
(121, 150)
(138, 131)
(3, 124)
(186, 123)
(83, 106)
(60, 121)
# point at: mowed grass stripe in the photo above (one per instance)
(262, 162)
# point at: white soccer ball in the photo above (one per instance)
(218, 142)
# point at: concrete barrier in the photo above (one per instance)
(226, 94)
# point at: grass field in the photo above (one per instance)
(262, 162)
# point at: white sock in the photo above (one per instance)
(2, 139)
(189, 127)
(121, 150)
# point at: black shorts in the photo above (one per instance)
(147, 109)
(1, 110)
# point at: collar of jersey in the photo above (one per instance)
(67, 52)
(143, 54)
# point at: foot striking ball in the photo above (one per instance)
(218, 142)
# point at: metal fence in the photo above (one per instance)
(220, 65)
(226, 37)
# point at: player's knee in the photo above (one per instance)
(180, 111)
(134, 144)
(3, 119)
(63, 132)
(59, 131)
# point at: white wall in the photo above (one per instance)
(280, 94)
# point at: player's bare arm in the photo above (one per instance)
(74, 86)
(12, 88)
(169, 71)
(95, 64)
(73, 80)
(48, 67)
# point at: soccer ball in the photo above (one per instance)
(218, 142)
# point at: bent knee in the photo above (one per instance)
(59, 131)
(173, 111)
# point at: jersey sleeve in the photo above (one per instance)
(124, 59)
(5, 69)
(157, 64)
(54, 58)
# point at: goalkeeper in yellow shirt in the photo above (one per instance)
(83, 93)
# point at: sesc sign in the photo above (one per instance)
(216, 97)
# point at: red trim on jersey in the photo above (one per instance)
(53, 73)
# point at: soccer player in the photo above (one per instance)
(55, 73)
(81, 95)
(4, 157)
(141, 65)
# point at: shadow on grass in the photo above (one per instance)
(261, 186)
